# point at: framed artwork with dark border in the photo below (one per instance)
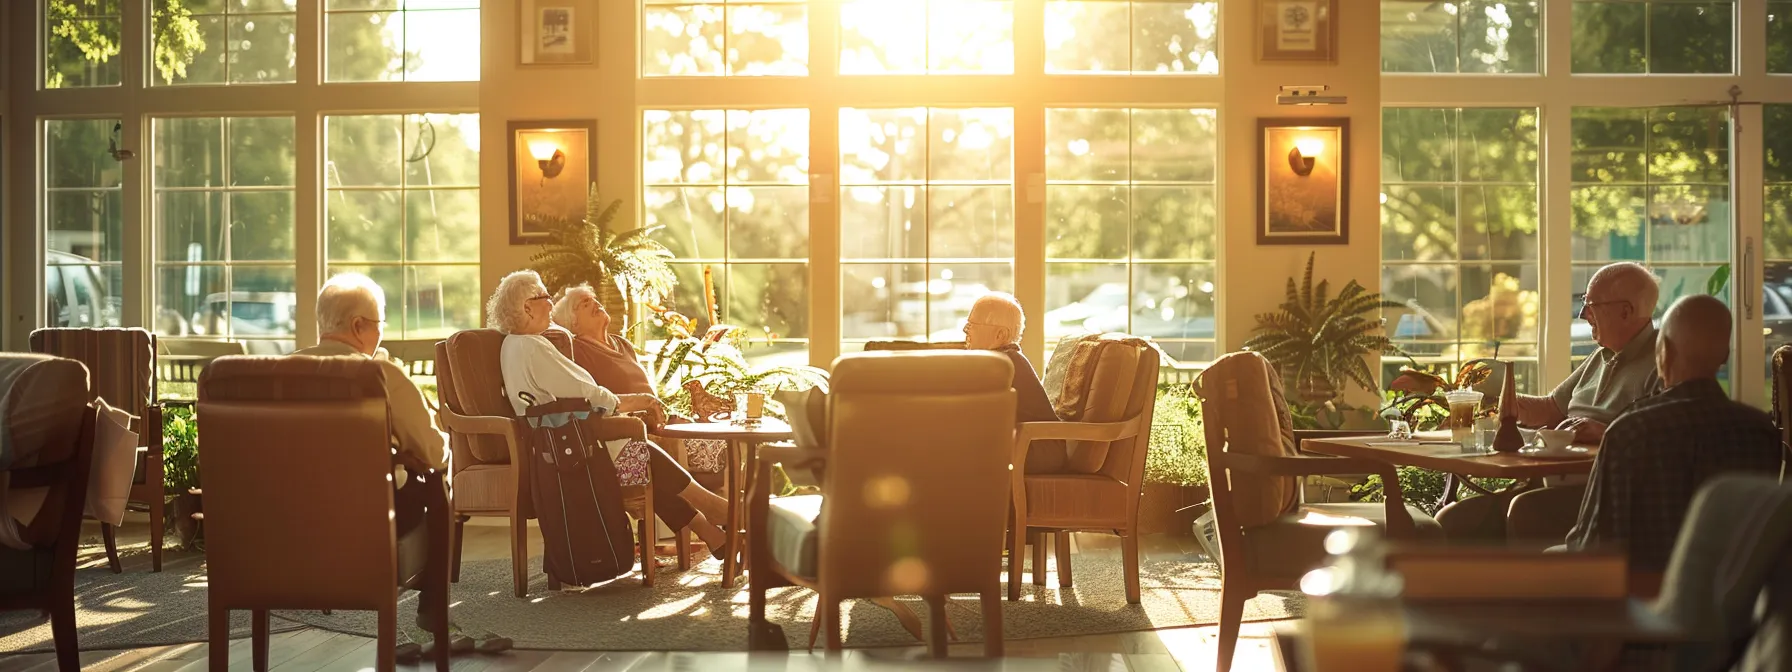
(1303, 181)
(556, 32)
(550, 173)
(1297, 30)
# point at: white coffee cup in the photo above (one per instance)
(1556, 439)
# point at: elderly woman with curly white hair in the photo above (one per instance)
(522, 309)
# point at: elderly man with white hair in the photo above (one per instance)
(996, 323)
(351, 322)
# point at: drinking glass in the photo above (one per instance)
(1398, 430)
(749, 407)
(1463, 405)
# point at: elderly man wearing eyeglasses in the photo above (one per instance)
(1620, 306)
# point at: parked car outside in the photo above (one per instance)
(75, 294)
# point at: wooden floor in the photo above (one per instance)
(1167, 650)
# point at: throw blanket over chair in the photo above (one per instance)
(1267, 537)
(46, 446)
(121, 366)
(486, 437)
(914, 443)
(1106, 396)
(280, 431)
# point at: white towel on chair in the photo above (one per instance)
(114, 465)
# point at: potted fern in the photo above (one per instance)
(1318, 341)
(627, 268)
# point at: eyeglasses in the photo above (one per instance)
(1587, 307)
(539, 297)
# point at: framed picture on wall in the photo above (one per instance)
(556, 32)
(1297, 30)
(1303, 181)
(550, 174)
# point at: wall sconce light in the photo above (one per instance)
(548, 156)
(1305, 153)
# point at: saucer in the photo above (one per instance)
(1569, 453)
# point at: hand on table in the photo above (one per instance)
(652, 411)
(1586, 430)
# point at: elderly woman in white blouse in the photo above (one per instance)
(521, 308)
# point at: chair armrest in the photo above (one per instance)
(1400, 525)
(791, 456)
(476, 424)
(610, 428)
(1027, 432)
(1304, 434)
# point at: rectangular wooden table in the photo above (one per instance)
(1451, 460)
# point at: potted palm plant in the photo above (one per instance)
(627, 268)
(1318, 341)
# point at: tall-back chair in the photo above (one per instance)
(50, 445)
(912, 501)
(121, 368)
(280, 432)
(1110, 391)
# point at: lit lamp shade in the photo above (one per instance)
(548, 156)
(1305, 154)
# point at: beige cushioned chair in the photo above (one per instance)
(912, 499)
(1267, 537)
(298, 494)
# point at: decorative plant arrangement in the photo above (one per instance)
(1418, 396)
(180, 469)
(1175, 464)
(628, 269)
(699, 375)
(1318, 341)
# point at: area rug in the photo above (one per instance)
(690, 611)
(686, 611)
(135, 609)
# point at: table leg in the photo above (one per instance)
(748, 482)
(730, 564)
(1451, 485)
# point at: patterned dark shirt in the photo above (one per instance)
(1656, 455)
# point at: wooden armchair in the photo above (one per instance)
(907, 506)
(121, 366)
(51, 448)
(487, 439)
(277, 430)
(1268, 538)
(1103, 477)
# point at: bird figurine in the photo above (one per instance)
(706, 405)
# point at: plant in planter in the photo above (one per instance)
(1175, 464)
(180, 468)
(627, 268)
(1417, 396)
(1318, 341)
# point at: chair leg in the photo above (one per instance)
(936, 626)
(258, 639)
(218, 639)
(681, 540)
(68, 643)
(438, 626)
(111, 538)
(158, 527)
(1129, 557)
(1232, 600)
(992, 622)
(1016, 548)
(519, 554)
(1062, 553)
(814, 628)
(649, 558)
(460, 535)
(831, 621)
(386, 640)
(1039, 541)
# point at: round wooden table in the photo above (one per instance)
(741, 456)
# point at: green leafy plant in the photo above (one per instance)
(1417, 395)
(1318, 341)
(627, 268)
(180, 450)
(1177, 451)
(715, 362)
(1422, 488)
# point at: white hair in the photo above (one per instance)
(1004, 303)
(563, 309)
(504, 311)
(345, 297)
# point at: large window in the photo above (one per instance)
(1651, 185)
(1131, 226)
(1653, 36)
(1776, 301)
(731, 37)
(84, 242)
(225, 41)
(401, 204)
(1460, 236)
(926, 218)
(401, 40)
(1471, 36)
(1117, 37)
(1779, 37)
(223, 209)
(730, 189)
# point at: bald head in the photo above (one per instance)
(1695, 340)
(1620, 303)
(996, 320)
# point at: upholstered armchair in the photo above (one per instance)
(121, 367)
(279, 432)
(1108, 391)
(912, 499)
(51, 431)
(1268, 537)
(486, 439)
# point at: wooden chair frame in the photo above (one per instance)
(57, 597)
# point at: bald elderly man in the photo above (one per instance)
(1658, 453)
(1620, 306)
(996, 323)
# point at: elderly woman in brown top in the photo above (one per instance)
(608, 357)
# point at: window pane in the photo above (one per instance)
(262, 48)
(261, 154)
(692, 218)
(682, 40)
(1175, 222)
(1499, 37)
(1418, 145)
(1418, 36)
(1610, 37)
(1175, 37)
(883, 222)
(1173, 145)
(768, 222)
(441, 225)
(971, 222)
(883, 145)
(189, 152)
(1498, 145)
(362, 151)
(81, 43)
(1776, 301)
(358, 225)
(441, 45)
(438, 300)
(75, 154)
(1478, 36)
(261, 225)
(84, 225)
(1690, 37)
(1086, 222)
(364, 47)
(1087, 36)
(418, 42)
(1658, 36)
(768, 40)
(1418, 223)
(1087, 145)
(1081, 298)
(1779, 37)
(194, 50)
(971, 144)
(770, 301)
(949, 36)
(1139, 37)
(441, 150)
